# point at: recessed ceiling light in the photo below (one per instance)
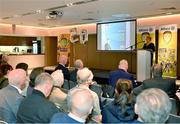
(69, 4)
(39, 11)
(120, 15)
(16, 16)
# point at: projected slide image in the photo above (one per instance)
(115, 36)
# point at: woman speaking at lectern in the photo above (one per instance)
(149, 46)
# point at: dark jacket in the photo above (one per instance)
(65, 71)
(3, 82)
(62, 118)
(120, 73)
(35, 108)
(166, 84)
(112, 113)
(73, 75)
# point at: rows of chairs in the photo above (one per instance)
(106, 91)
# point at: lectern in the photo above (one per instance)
(143, 65)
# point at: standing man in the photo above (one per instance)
(11, 95)
(121, 72)
(36, 108)
(62, 62)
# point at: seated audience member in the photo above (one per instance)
(24, 66)
(35, 72)
(62, 62)
(122, 73)
(35, 108)
(84, 79)
(57, 96)
(152, 106)
(166, 84)
(80, 104)
(4, 70)
(11, 95)
(78, 64)
(3, 59)
(120, 110)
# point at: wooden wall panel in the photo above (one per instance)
(101, 60)
(16, 41)
(50, 51)
(81, 52)
(93, 55)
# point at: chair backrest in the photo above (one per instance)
(173, 119)
(72, 84)
(97, 89)
(66, 85)
(174, 109)
(108, 91)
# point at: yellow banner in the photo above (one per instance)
(63, 45)
(142, 33)
(167, 49)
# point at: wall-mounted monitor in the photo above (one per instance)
(116, 36)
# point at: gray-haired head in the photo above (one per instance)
(84, 76)
(44, 83)
(58, 78)
(157, 71)
(78, 64)
(153, 106)
(80, 102)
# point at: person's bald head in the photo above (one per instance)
(17, 77)
(123, 64)
(58, 78)
(84, 76)
(157, 71)
(63, 59)
(78, 64)
(80, 102)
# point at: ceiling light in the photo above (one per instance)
(39, 11)
(120, 15)
(16, 16)
(54, 14)
(69, 4)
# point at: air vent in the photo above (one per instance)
(89, 19)
(168, 8)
